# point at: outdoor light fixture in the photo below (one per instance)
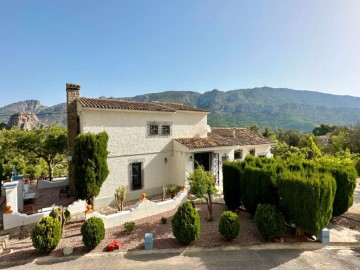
(165, 160)
(191, 158)
(69, 158)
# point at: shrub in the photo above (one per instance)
(93, 232)
(129, 227)
(345, 177)
(231, 184)
(306, 201)
(90, 163)
(257, 186)
(357, 167)
(46, 234)
(163, 220)
(186, 224)
(229, 225)
(269, 221)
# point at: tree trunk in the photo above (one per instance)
(210, 210)
(299, 232)
(51, 171)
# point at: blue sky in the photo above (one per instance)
(125, 48)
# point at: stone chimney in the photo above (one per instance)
(72, 93)
(73, 127)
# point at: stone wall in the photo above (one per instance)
(72, 93)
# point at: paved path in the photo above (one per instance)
(273, 256)
(340, 234)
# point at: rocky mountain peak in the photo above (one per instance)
(24, 120)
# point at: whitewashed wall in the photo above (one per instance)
(17, 219)
(141, 210)
(43, 184)
(129, 142)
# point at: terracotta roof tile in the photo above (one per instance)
(105, 103)
(225, 137)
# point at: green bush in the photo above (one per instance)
(129, 227)
(163, 220)
(93, 232)
(258, 186)
(231, 184)
(90, 163)
(229, 225)
(357, 167)
(269, 221)
(307, 201)
(186, 224)
(46, 234)
(345, 177)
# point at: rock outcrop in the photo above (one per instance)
(25, 120)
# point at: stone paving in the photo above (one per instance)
(48, 197)
(342, 234)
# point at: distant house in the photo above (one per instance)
(152, 144)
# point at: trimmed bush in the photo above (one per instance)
(345, 177)
(257, 186)
(229, 225)
(269, 221)
(163, 220)
(90, 163)
(46, 234)
(231, 184)
(186, 224)
(93, 232)
(357, 167)
(307, 201)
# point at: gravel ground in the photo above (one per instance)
(163, 237)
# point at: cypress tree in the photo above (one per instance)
(231, 184)
(306, 201)
(90, 162)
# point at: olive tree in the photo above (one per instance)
(202, 185)
(48, 144)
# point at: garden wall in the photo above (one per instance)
(55, 183)
(17, 219)
(141, 210)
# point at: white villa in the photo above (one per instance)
(152, 144)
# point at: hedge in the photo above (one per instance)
(257, 186)
(269, 221)
(231, 184)
(305, 201)
(345, 177)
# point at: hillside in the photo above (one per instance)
(48, 115)
(274, 107)
(265, 106)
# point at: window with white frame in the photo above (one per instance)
(238, 154)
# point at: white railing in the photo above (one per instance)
(140, 210)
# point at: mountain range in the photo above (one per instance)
(274, 107)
